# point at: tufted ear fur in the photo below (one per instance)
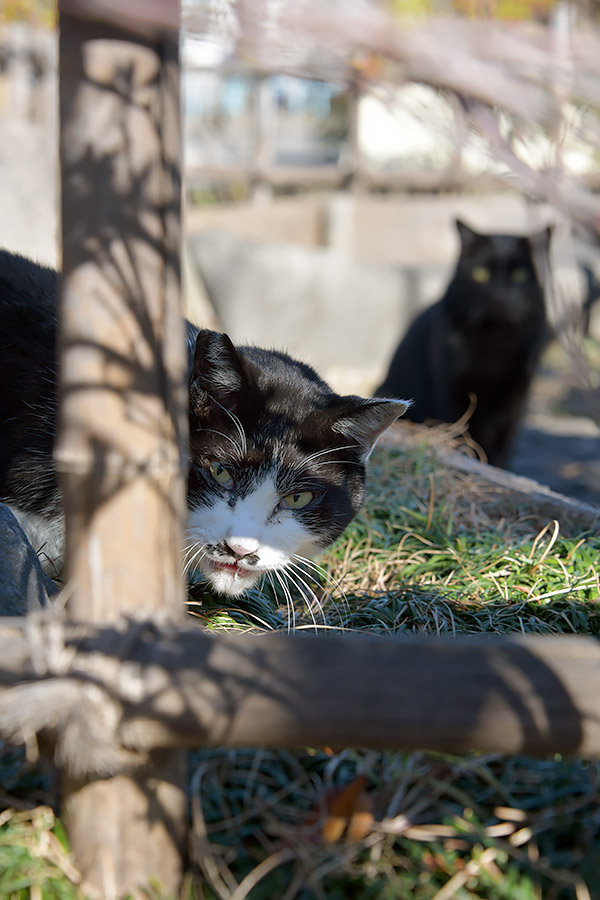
(218, 371)
(364, 421)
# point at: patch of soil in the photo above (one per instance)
(559, 442)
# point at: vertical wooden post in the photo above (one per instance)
(264, 125)
(123, 395)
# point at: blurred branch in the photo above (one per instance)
(528, 70)
(145, 17)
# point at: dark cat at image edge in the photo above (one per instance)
(482, 340)
(277, 458)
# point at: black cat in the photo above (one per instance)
(483, 338)
(277, 465)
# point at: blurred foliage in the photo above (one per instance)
(44, 12)
(500, 9)
(36, 12)
(506, 9)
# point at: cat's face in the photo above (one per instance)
(277, 462)
(498, 276)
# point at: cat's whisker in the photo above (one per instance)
(288, 600)
(188, 549)
(189, 566)
(338, 462)
(289, 605)
(192, 560)
(301, 584)
(287, 572)
(319, 569)
(269, 575)
(193, 554)
(236, 445)
(334, 583)
(271, 582)
(312, 456)
(237, 424)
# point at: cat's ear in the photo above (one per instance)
(467, 235)
(218, 370)
(364, 421)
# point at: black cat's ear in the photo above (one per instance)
(466, 234)
(364, 421)
(218, 370)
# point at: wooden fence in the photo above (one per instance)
(163, 685)
(119, 687)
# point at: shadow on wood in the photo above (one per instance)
(157, 686)
(123, 404)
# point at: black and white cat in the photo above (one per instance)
(483, 338)
(277, 459)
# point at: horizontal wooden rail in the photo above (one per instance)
(112, 695)
(334, 176)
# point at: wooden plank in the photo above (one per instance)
(123, 414)
(333, 176)
(171, 686)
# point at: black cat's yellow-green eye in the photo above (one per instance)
(220, 474)
(298, 500)
(520, 275)
(481, 274)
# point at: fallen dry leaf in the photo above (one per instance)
(349, 812)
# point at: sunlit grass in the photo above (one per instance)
(33, 858)
(434, 552)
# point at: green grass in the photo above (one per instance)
(433, 552)
(33, 858)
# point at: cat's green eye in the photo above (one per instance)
(220, 474)
(298, 500)
(481, 274)
(520, 275)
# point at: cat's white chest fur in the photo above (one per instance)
(235, 541)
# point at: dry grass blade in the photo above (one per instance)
(434, 552)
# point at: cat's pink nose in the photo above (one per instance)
(242, 546)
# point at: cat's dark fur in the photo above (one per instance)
(483, 338)
(277, 459)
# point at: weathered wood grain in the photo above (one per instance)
(123, 398)
(165, 686)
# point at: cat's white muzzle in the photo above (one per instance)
(229, 578)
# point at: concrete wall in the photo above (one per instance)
(392, 228)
